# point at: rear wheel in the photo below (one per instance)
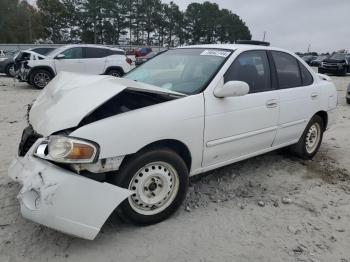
(114, 72)
(311, 139)
(158, 179)
(40, 78)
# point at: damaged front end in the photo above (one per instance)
(61, 199)
(62, 188)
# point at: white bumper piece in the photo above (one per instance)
(63, 200)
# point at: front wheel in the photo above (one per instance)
(40, 78)
(158, 179)
(311, 139)
(10, 70)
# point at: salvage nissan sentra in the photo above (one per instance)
(95, 144)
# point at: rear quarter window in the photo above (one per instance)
(93, 52)
(306, 76)
(288, 72)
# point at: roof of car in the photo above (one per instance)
(96, 46)
(236, 47)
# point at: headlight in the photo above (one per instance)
(64, 149)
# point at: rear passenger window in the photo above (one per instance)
(305, 75)
(117, 52)
(92, 52)
(288, 72)
(253, 68)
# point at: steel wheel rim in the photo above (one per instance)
(41, 79)
(313, 137)
(154, 188)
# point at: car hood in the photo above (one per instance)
(32, 56)
(69, 97)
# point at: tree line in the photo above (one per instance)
(139, 22)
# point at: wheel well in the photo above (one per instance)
(115, 68)
(180, 148)
(42, 68)
(7, 67)
(324, 117)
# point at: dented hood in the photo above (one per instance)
(69, 97)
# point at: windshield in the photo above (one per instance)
(338, 56)
(185, 71)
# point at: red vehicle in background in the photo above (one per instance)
(143, 51)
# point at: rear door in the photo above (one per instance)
(299, 97)
(95, 59)
(71, 62)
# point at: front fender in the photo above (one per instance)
(124, 134)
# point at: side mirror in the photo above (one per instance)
(232, 88)
(60, 56)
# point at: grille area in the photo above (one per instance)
(29, 137)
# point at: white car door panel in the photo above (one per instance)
(69, 65)
(95, 66)
(244, 125)
(238, 126)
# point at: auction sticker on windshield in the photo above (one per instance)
(216, 53)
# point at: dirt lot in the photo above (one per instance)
(273, 207)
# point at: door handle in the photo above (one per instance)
(271, 103)
(314, 95)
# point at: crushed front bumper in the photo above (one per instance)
(22, 72)
(61, 199)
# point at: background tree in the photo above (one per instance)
(145, 22)
(53, 14)
(19, 22)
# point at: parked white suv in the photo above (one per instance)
(38, 70)
(96, 143)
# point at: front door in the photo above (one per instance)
(71, 62)
(237, 127)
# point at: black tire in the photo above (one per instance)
(345, 71)
(130, 172)
(33, 78)
(301, 149)
(320, 71)
(8, 71)
(115, 72)
(348, 100)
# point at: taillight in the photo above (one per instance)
(128, 60)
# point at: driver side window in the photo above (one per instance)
(253, 68)
(73, 53)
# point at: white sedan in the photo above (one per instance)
(98, 143)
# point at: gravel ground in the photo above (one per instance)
(273, 207)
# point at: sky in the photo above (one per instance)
(293, 24)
